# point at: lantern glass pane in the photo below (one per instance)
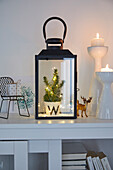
(54, 101)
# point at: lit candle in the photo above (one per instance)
(106, 69)
(97, 41)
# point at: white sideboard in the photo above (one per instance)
(20, 136)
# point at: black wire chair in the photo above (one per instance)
(4, 81)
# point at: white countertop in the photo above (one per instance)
(21, 122)
(22, 128)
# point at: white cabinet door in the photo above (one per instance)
(55, 155)
(52, 147)
(20, 155)
(20, 151)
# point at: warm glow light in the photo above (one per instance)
(107, 65)
(54, 78)
(51, 93)
(98, 42)
(49, 122)
(97, 35)
(47, 88)
(106, 69)
(53, 68)
(72, 121)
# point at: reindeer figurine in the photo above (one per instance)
(83, 107)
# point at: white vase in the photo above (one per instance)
(52, 108)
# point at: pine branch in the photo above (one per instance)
(53, 88)
(61, 84)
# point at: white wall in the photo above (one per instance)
(21, 36)
(21, 33)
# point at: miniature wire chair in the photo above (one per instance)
(4, 81)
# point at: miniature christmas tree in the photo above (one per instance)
(53, 88)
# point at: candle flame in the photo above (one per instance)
(107, 65)
(97, 35)
(107, 69)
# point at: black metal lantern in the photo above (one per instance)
(55, 79)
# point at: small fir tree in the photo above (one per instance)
(53, 88)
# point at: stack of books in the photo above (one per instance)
(74, 156)
(97, 161)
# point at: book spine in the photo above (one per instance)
(73, 156)
(99, 163)
(73, 167)
(71, 162)
(105, 163)
(90, 163)
(95, 163)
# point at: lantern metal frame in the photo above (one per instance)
(57, 54)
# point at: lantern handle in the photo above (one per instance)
(56, 18)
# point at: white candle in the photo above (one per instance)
(97, 41)
(106, 69)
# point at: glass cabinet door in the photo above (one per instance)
(6, 162)
(38, 161)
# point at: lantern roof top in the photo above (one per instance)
(56, 52)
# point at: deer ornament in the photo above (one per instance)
(83, 107)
